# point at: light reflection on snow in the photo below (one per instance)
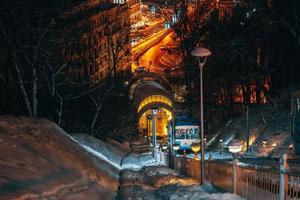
(131, 161)
(101, 156)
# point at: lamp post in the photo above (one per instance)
(235, 146)
(154, 112)
(201, 54)
(149, 117)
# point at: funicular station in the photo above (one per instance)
(155, 108)
(152, 96)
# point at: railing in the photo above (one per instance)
(253, 182)
(219, 174)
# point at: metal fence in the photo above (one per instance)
(252, 182)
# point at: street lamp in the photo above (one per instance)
(195, 148)
(201, 54)
(264, 142)
(154, 112)
(149, 118)
(176, 147)
(235, 146)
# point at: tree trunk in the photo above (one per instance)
(22, 88)
(60, 110)
(95, 120)
(34, 92)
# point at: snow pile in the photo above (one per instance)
(39, 161)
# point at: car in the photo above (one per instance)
(140, 69)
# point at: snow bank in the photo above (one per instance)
(102, 150)
(39, 161)
(118, 157)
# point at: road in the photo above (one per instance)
(149, 39)
(152, 56)
(155, 59)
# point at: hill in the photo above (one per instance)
(39, 160)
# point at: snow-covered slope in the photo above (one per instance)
(117, 156)
(101, 149)
(39, 160)
(268, 122)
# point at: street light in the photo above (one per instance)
(264, 142)
(176, 147)
(201, 54)
(235, 146)
(195, 148)
(154, 112)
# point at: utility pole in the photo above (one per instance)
(248, 131)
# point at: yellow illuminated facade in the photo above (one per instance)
(153, 99)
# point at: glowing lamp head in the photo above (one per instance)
(235, 146)
(176, 147)
(264, 142)
(200, 52)
(154, 110)
(195, 146)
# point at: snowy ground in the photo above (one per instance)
(215, 155)
(120, 158)
(141, 177)
(162, 183)
(268, 122)
(38, 160)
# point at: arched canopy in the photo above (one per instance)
(152, 99)
(145, 78)
(148, 107)
(148, 89)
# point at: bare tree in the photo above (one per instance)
(23, 30)
(98, 99)
(117, 33)
(189, 17)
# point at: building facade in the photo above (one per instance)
(97, 43)
(225, 8)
